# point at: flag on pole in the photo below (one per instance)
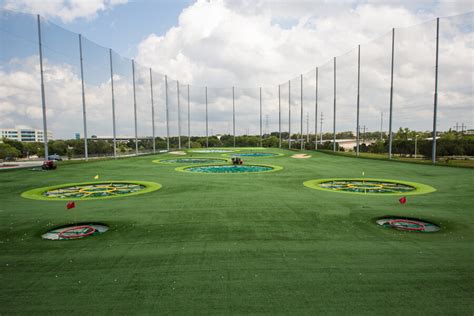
(363, 173)
(403, 200)
(70, 205)
(96, 177)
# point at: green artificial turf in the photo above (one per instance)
(239, 243)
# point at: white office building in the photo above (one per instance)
(24, 134)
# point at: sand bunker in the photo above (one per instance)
(179, 153)
(301, 156)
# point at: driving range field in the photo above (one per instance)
(237, 243)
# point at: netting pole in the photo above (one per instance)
(358, 100)
(152, 111)
(43, 99)
(113, 103)
(279, 116)
(135, 108)
(207, 124)
(261, 142)
(334, 114)
(316, 114)
(435, 109)
(179, 115)
(289, 114)
(391, 99)
(233, 113)
(84, 115)
(301, 119)
(189, 122)
(167, 115)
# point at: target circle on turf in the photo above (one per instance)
(212, 151)
(408, 224)
(254, 154)
(91, 190)
(369, 186)
(75, 231)
(229, 169)
(191, 160)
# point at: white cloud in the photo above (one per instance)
(228, 43)
(66, 10)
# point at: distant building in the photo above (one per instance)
(24, 134)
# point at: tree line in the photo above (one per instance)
(451, 143)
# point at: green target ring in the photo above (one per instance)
(369, 186)
(91, 190)
(173, 161)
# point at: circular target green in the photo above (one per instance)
(191, 160)
(369, 186)
(227, 169)
(254, 155)
(408, 224)
(91, 190)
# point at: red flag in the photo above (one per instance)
(70, 205)
(403, 200)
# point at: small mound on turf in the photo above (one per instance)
(408, 224)
(179, 153)
(75, 231)
(301, 156)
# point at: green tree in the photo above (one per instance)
(6, 151)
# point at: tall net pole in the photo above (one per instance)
(334, 114)
(233, 114)
(167, 115)
(301, 110)
(189, 121)
(358, 100)
(152, 112)
(316, 113)
(435, 109)
(279, 116)
(261, 141)
(391, 99)
(135, 107)
(84, 115)
(113, 103)
(289, 114)
(179, 115)
(43, 99)
(207, 124)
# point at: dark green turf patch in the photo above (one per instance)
(369, 186)
(75, 231)
(91, 190)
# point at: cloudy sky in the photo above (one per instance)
(246, 44)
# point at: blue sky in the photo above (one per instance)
(125, 26)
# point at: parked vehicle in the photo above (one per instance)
(55, 157)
